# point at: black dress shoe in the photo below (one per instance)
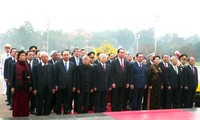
(39, 114)
(8, 104)
(11, 108)
(58, 113)
(127, 108)
(65, 113)
(33, 112)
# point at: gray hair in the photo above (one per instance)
(43, 53)
(103, 55)
(173, 57)
(84, 57)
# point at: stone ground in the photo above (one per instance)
(4, 109)
(6, 114)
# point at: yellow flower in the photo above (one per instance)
(106, 48)
(198, 88)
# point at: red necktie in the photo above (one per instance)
(122, 65)
(104, 68)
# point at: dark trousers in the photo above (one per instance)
(117, 97)
(53, 102)
(83, 102)
(63, 97)
(137, 95)
(9, 94)
(126, 97)
(43, 103)
(75, 99)
(92, 100)
(189, 98)
(145, 98)
(7, 91)
(182, 99)
(100, 101)
(173, 98)
(163, 97)
(32, 102)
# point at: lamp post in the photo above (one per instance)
(48, 36)
(137, 37)
(155, 27)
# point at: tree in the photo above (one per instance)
(23, 37)
(106, 48)
(146, 41)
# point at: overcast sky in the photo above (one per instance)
(167, 16)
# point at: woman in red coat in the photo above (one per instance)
(20, 85)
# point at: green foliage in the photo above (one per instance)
(25, 36)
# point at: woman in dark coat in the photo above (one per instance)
(20, 86)
(155, 84)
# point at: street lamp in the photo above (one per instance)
(137, 37)
(155, 28)
(47, 35)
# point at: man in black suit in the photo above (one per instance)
(77, 60)
(43, 85)
(120, 80)
(65, 76)
(109, 61)
(129, 58)
(183, 61)
(7, 71)
(138, 81)
(148, 65)
(10, 96)
(164, 65)
(54, 57)
(150, 60)
(33, 49)
(92, 99)
(98, 58)
(53, 60)
(190, 82)
(83, 52)
(111, 58)
(84, 84)
(31, 63)
(102, 83)
(174, 84)
(37, 57)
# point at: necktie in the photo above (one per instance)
(176, 69)
(104, 68)
(165, 65)
(77, 61)
(122, 65)
(193, 70)
(140, 65)
(66, 67)
(30, 65)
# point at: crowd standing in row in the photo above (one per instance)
(77, 82)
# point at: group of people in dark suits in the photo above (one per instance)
(81, 83)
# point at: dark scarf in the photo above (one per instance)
(21, 82)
